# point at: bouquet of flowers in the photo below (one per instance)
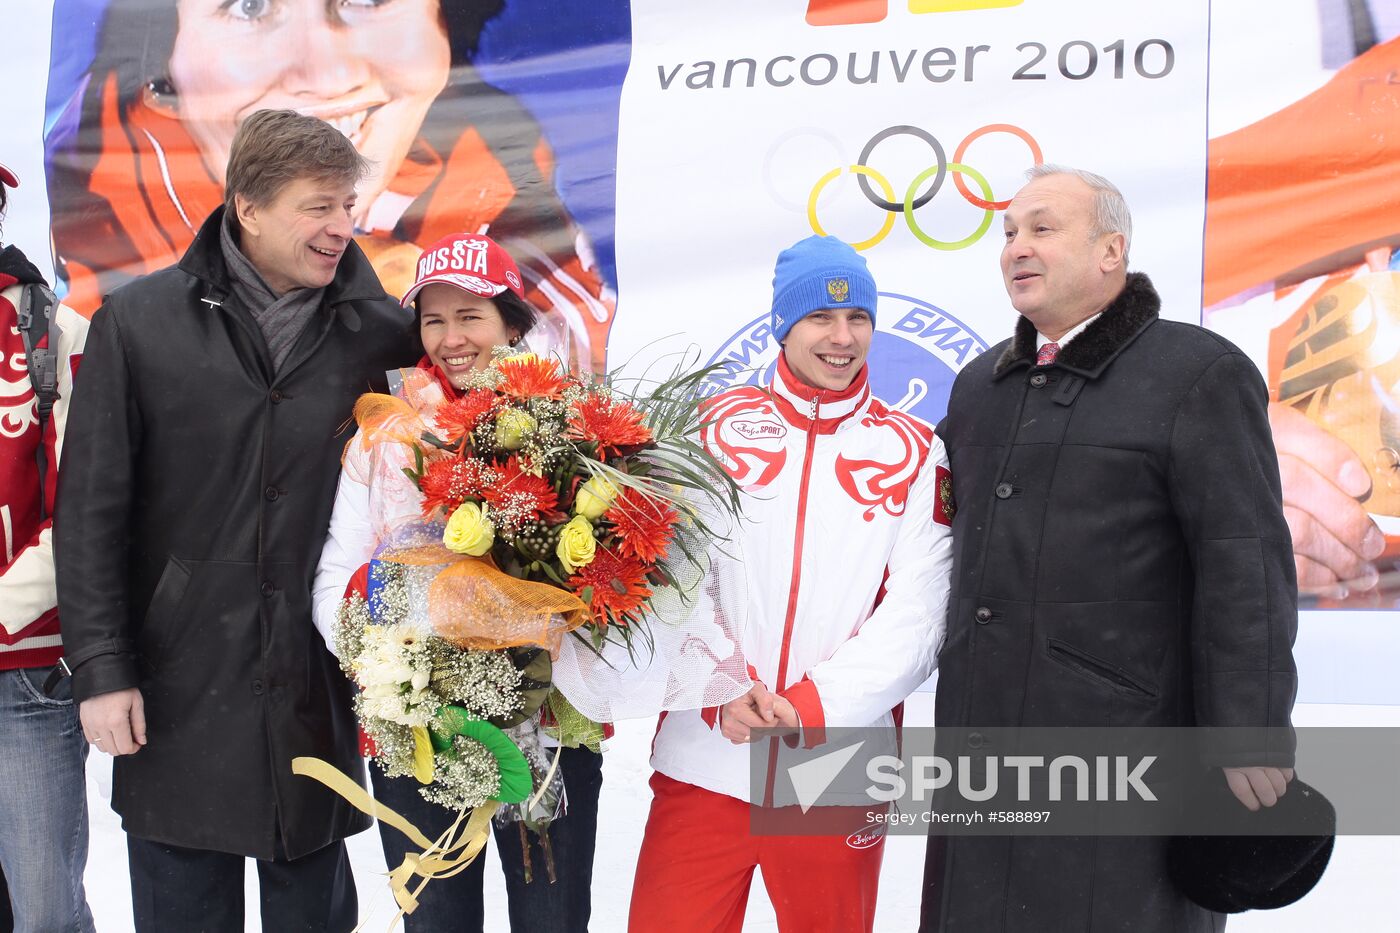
(563, 483)
(549, 508)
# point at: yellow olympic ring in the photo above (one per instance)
(868, 172)
(944, 244)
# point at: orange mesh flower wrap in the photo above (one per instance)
(474, 605)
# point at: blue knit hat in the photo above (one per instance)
(815, 273)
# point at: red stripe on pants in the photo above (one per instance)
(698, 858)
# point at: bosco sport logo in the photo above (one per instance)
(917, 350)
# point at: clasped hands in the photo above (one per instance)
(760, 708)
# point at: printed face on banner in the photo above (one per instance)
(408, 81)
(370, 69)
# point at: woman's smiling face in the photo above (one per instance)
(371, 68)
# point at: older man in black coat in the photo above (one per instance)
(201, 463)
(1121, 557)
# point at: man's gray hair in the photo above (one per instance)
(1110, 209)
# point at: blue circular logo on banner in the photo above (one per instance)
(917, 350)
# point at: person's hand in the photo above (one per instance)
(1334, 539)
(115, 722)
(786, 713)
(754, 710)
(1256, 787)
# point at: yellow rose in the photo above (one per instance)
(513, 426)
(594, 498)
(576, 544)
(469, 531)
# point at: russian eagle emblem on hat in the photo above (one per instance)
(838, 289)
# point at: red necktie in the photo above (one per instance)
(1046, 354)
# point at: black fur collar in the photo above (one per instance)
(1125, 317)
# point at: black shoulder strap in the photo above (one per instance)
(35, 317)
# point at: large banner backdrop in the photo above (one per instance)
(646, 162)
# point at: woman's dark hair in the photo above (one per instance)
(516, 313)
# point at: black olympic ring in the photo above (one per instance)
(880, 137)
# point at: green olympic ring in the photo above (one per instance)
(943, 244)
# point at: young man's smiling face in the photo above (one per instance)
(825, 349)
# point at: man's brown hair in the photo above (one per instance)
(275, 147)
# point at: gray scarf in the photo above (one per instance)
(281, 320)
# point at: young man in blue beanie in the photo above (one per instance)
(846, 549)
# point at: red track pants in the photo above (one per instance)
(698, 857)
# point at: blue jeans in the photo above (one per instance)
(43, 805)
(455, 905)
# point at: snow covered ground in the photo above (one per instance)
(1356, 894)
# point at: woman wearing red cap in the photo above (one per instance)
(469, 300)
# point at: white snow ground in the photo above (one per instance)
(1356, 894)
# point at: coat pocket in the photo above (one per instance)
(159, 623)
(1105, 672)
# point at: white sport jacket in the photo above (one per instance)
(846, 548)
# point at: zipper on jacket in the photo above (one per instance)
(791, 616)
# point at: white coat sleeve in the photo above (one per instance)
(896, 649)
(349, 544)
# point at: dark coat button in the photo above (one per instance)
(983, 615)
(257, 688)
(271, 493)
(1004, 490)
(1039, 380)
(267, 589)
(276, 395)
(976, 740)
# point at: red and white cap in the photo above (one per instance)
(471, 261)
(8, 176)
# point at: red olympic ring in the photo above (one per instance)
(976, 134)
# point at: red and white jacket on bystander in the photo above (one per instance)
(846, 548)
(29, 634)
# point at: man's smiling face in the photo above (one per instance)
(825, 349)
(1053, 262)
(296, 239)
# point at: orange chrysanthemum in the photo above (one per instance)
(458, 418)
(521, 494)
(619, 587)
(613, 425)
(448, 482)
(530, 376)
(644, 525)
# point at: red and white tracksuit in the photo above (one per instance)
(28, 601)
(846, 548)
